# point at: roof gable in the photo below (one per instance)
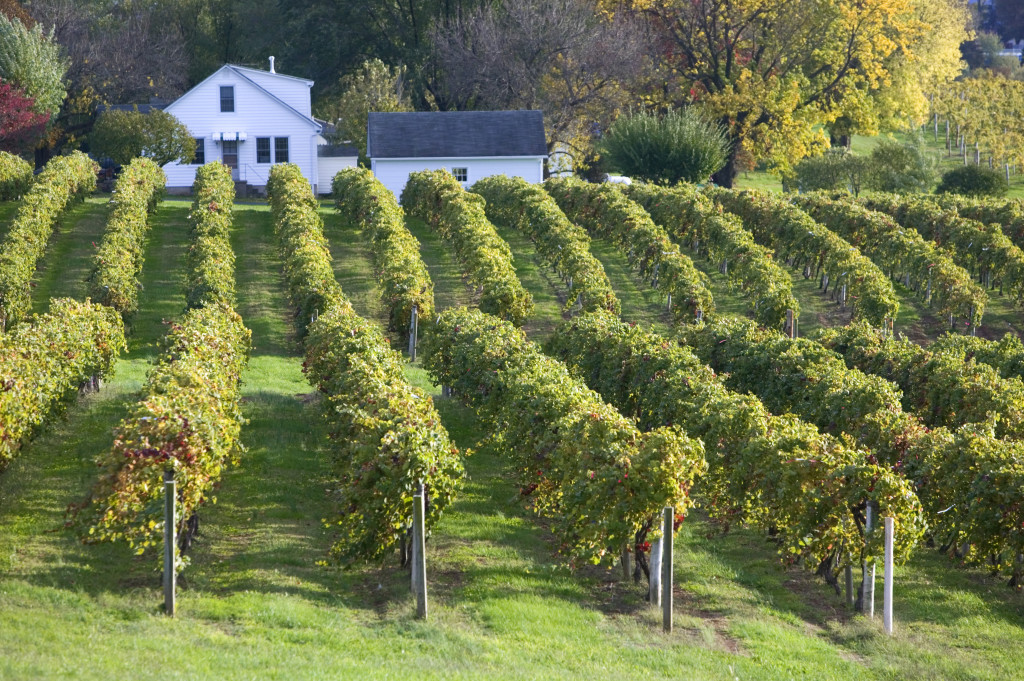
(456, 134)
(238, 72)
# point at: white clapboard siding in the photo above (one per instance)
(394, 173)
(257, 114)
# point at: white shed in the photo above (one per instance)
(331, 160)
(249, 119)
(471, 145)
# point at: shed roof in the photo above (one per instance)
(456, 134)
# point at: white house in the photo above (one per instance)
(469, 144)
(250, 119)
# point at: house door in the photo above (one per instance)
(230, 153)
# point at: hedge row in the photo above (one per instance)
(940, 386)
(979, 248)
(388, 434)
(15, 176)
(486, 260)
(1005, 355)
(64, 179)
(600, 482)
(814, 383)
(307, 258)
(211, 260)
(514, 202)
(189, 420)
(604, 211)
(114, 280)
(778, 472)
(798, 239)
(968, 481)
(693, 218)
(401, 273)
(1007, 213)
(902, 252)
(45, 361)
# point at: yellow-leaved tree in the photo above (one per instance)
(781, 73)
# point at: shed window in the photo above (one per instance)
(227, 98)
(280, 150)
(263, 150)
(200, 158)
(461, 174)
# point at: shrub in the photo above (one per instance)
(44, 361)
(972, 181)
(604, 211)
(681, 146)
(487, 262)
(577, 460)
(114, 280)
(64, 179)
(693, 217)
(15, 176)
(759, 469)
(124, 135)
(211, 261)
(515, 202)
(188, 421)
(836, 169)
(896, 167)
(401, 273)
(388, 434)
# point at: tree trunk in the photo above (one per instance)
(726, 177)
(839, 140)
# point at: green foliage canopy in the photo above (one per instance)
(375, 86)
(681, 146)
(125, 135)
(972, 181)
(31, 59)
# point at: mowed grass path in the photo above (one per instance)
(256, 605)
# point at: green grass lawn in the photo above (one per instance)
(862, 145)
(255, 604)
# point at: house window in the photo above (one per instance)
(200, 158)
(461, 174)
(227, 98)
(280, 150)
(230, 153)
(263, 150)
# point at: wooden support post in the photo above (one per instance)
(887, 587)
(414, 330)
(625, 562)
(790, 324)
(666, 569)
(419, 558)
(850, 598)
(668, 306)
(654, 593)
(170, 541)
(867, 605)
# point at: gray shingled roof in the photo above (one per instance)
(456, 134)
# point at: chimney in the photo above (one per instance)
(272, 65)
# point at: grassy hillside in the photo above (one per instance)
(255, 604)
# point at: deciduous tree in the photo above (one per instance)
(778, 72)
(124, 135)
(31, 60)
(21, 127)
(562, 57)
(374, 87)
